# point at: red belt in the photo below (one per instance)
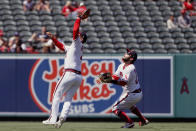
(72, 70)
(137, 91)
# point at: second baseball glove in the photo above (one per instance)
(105, 77)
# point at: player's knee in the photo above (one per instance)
(133, 107)
(116, 111)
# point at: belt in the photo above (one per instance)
(72, 70)
(137, 91)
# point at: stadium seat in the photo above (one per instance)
(173, 51)
(8, 22)
(148, 51)
(98, 23)
(150, 29)
(145, 46)
(98, 51)
(87, 51)
(167, 41)
(170, 46)
(135, 29)
(121, 51)
(137, 2)
(104, 40)
(120, 46)
(183, 46)
(102, 34)
(155, 41)
(143, 40)
(112, 29)
(130, 40)
(186, 51)
(152, 35)
(157, 46)
(178, 35)
(128, 34)
(108, 46)
(193, 47)
(110, 51)
(7, 17)
(35, 22)
(133, 46)
(117, 40)
(147, 24)
(143, 13)
(136, 24)
(102, 2)
(160, 51)
(23, 28)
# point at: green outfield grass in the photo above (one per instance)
(96, 126)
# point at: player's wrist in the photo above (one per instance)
(114, 81)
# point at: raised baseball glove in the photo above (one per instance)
(83, 15)
(105, 77)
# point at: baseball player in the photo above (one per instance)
(71, 78)
(126, 76)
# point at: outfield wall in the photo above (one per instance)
(28, 82)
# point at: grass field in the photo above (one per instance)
(95, 126)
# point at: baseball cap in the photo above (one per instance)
(132, 53)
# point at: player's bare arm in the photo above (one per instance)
(56, 42)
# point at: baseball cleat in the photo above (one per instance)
(59, 123)
(48, 122)
(128, 125)
(146, 122)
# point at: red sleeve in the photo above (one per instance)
(115, 77)
(58, 44)
(76, 28)
(185, 5)
(122, 83)
(72, 8)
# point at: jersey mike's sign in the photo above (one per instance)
(46, 73)
(29, 86)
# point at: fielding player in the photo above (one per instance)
(126, 76)
(71, 78)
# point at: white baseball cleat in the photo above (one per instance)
(48, 122)
(128, 125)
(59, 123)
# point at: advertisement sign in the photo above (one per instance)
(28, 84)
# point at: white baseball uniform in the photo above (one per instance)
(70, 80)
(128, 98)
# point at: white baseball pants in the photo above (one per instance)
(69, 83)
(127, 100)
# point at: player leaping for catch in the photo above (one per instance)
(126, 76)
(71, 79)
